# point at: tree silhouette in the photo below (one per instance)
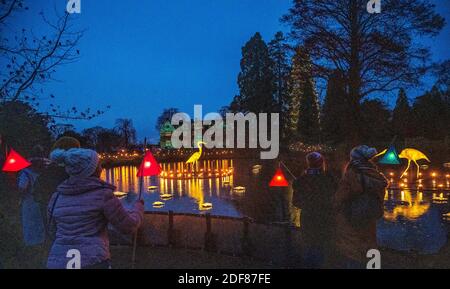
(125, 128)
(335, 110)
(402, 121)
(279, 52)
(255, 80)
(29, 60)
(165, 116)
(374, 52)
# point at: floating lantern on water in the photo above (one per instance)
(152, 188)
(446, 217)
(120, 194)
(239, 189)
(424, 167)
(206, 206)
(15, 162)
(439, 199)
(158, 205)
(166, 197)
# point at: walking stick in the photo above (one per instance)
(141, 183)
(133, 260)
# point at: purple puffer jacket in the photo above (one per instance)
(81, 213)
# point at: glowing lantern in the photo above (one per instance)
(278, 179)
(412, 155)
(390, 157)
(149, 166)
(15, 162)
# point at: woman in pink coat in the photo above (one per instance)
(81, 209)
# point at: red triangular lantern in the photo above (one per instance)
(15, 162)
(149, 166)
(278, 179)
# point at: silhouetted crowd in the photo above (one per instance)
(65, 206)
(339, 216)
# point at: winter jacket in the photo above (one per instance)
(47, 182)
(353, 242)
(33, 228)
(81, 209)
(313, 194)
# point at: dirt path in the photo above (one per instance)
(174, 258)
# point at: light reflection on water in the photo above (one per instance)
(413, 220)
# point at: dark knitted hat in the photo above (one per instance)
(314, 160)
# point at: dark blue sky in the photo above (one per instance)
(143, 56)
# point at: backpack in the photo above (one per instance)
(365, 207)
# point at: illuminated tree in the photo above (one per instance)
(303, 102)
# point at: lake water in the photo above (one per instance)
(414, 218)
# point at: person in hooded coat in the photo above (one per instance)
(313, 195)
(33, 227)
(359, 204)
(52, 175)
(81, 209)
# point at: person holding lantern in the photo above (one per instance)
(313, 194)
(53, 174)
(81, 209)
(359, 204)
(31, 215)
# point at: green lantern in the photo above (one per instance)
(390, 157)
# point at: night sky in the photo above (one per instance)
(143, 56)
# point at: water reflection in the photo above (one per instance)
(413, 218)
(413, 221)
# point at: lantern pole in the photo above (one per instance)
(141, 183)
(287, 169)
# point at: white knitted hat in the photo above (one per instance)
(78, 162)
